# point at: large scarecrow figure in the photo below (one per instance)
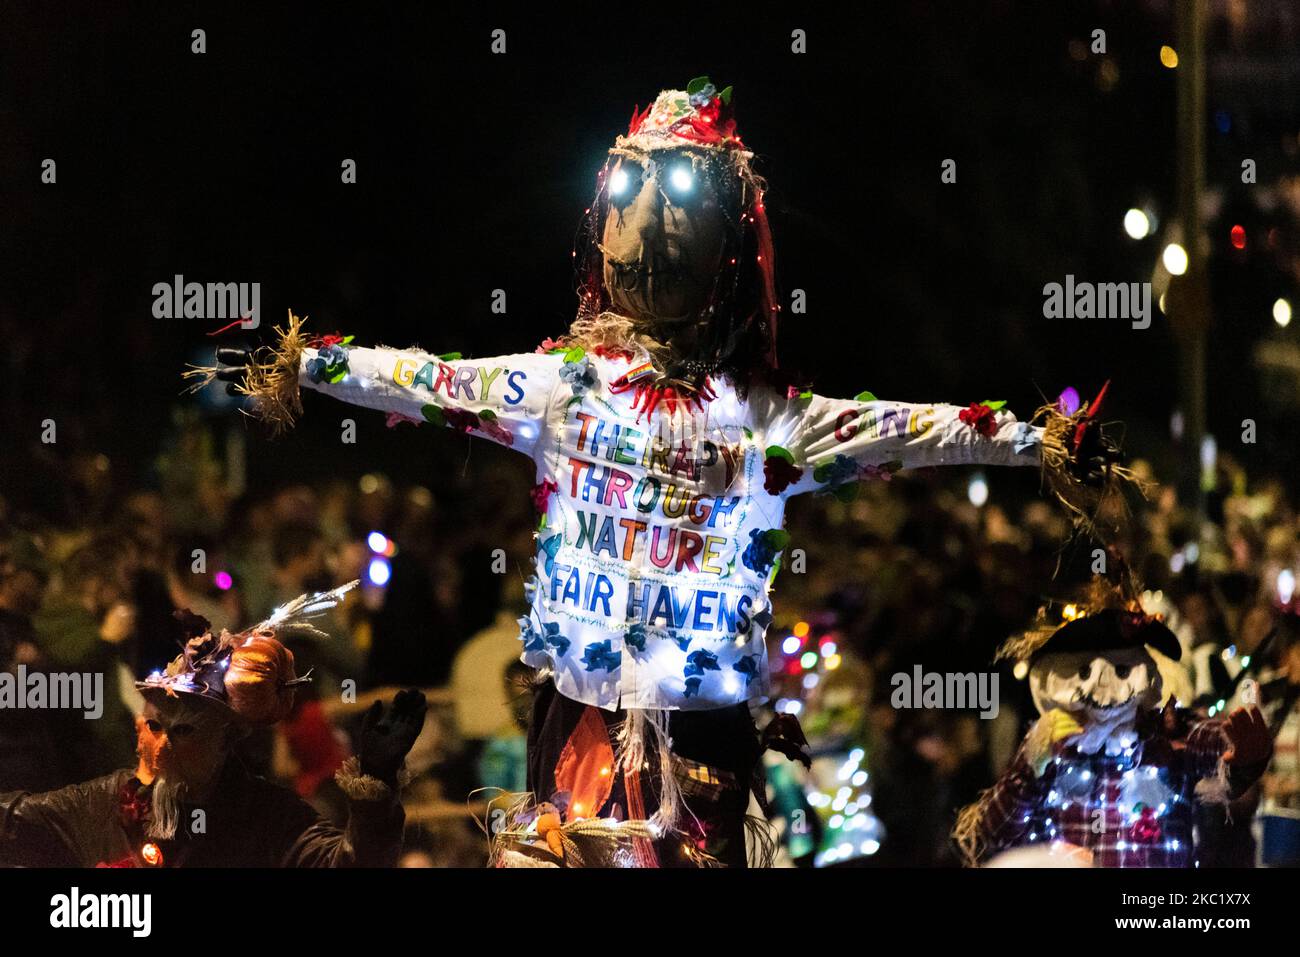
(1105, 776)
(666, 445)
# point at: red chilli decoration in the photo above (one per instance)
(647, 398)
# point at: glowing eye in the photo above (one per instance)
(682, 179)
(625, 183)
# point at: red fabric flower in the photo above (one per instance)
(549, 345)
(1146, 829)
(541, 494)
(779, 474)
(980, 418)
(461, 420)
(491, 427)
(325, 341)
(397, 418)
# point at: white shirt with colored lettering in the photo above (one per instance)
(661, 532)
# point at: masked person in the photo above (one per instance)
(666, 445)
(1105, 776)
(190, 803)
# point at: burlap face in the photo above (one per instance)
(664, 236)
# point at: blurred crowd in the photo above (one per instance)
(919, 570)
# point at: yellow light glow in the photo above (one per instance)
(1169, 57)
(1175, 259)
(1137, 224)
(1282, 313)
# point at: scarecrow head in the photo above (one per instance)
(1098, 669)
(677, 243)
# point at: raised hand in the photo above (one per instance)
(1251, 744)
(387, 734)
(784, 735)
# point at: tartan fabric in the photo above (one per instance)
(700, 782)
(1091, 801)
(714, 826)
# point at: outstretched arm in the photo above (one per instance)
(46, 830)
(503, 398)
(841, 439)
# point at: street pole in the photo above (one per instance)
(1189, 294)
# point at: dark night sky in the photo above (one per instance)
(474, 170)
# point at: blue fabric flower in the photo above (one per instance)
(334, 355)
(763, 548)
(836, 474)
(683, 641)
(548, 637)
(635, 637)
(529, 636)
(580, 374)
(692, 687)
(600, 655)
(747, 665)
(549, 547)
(554, 638)
(698, 662)
(703, 95)
(330, 364)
